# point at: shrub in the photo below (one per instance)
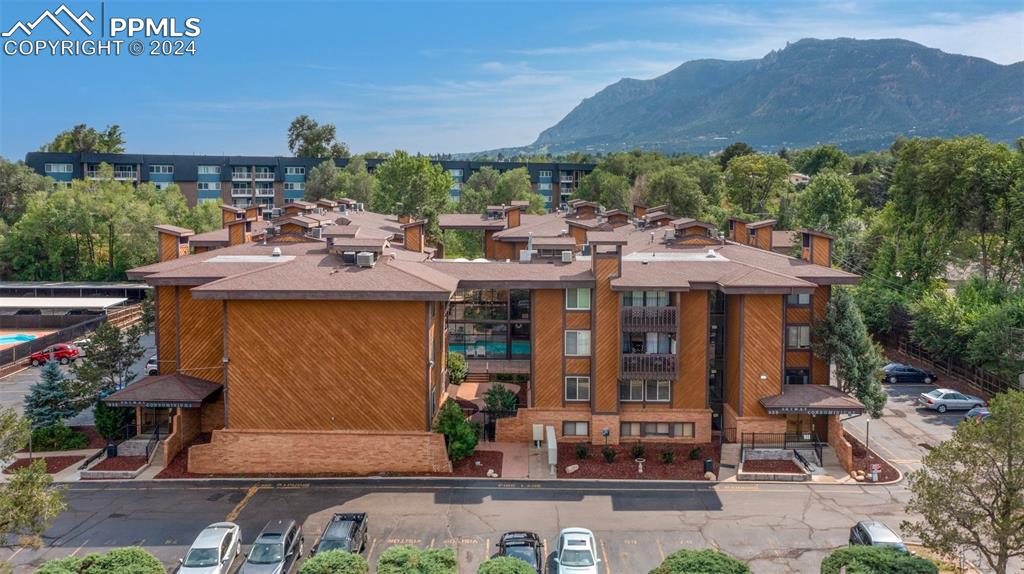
(582, 451)
(457, 368)
(505, 565)
(498, 399)
(875, 560)
(460, 436)
(335, 562)
(58, 437)
(48, 403)
(132, 560)
(609, 454)
(110, 421)
(668, 457)
(695, 453)
(700, 562)
(412, 560)
(638, 450)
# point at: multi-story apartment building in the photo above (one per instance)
(272, 180)
(324, 334)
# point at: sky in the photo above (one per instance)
(421, 76)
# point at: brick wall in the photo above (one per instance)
(836, 438)
(319, 452)
(520, 428)
(760, 424)
(185, 426)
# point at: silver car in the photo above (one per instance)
(214, 550)
(943, 400)
(275, 550)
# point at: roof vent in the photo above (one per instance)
(276, 252)
(711, 254)
(563, 232)
(652, 237)
(529, 241)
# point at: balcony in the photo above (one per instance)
(648, 366)
(264, 192)
(264, 176)
(241, 192)
(93, 174)
(241, 175)
(566, 179)
(123, 174)
(650, 319)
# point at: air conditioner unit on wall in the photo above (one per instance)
(567, 257)
(364, 259)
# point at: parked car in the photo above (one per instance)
(81, 344)
(152, 367)
(576, 552)
(976, 413)
(29, 312)
(943, 400)
(276, 549)
(900, 373)
(525, 546)
(873, 533)
(64, 353)
(345, 531)
(214, 550)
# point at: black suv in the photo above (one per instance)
(525, 546)
(345, 531)
(900, 373)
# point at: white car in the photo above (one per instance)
(214, 550)
(152, 366)
(576, 552)
(943, 400)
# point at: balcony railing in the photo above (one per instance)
(648, 366)
(124, 174)
(264, 175)
(241, 175)
(92, 174)
(566, 179)
(241, 191)
(265, 191)
(650, 319)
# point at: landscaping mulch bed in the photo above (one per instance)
(95, 440)
(54, 464)
(772, 467)
(121, 463)
(179, 465)
(864, 458)
(624, 467)
(467, 467)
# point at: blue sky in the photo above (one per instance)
(425, 77)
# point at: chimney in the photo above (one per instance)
(816, 247)
(415, 235)
(403, 219)
(254, 211)
(514, 218)
(238, 232)
(172, 242)
(639, 210)
(737, 230)
(230, 213)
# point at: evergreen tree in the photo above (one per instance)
(843, 339)
(47, 403)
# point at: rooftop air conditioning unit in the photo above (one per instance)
(525, 255)
(567, 257)
(359, 207)
(364, 259)
(348, 258)
(277, 212)
(316, 232)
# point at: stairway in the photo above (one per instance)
(478, 378)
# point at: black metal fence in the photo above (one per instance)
(780, 441)
(489, 423)
(22, 351)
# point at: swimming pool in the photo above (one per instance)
(19, 338)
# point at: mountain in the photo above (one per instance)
(859, 94)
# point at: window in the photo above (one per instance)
(57, 168)
(645, 299)
(798, 337)
(161, 184)
(577, 388)
(798, 299)
(577, 299)
(295, 170)
(631, 391)
(208, 186)
(658, 391)
(797, 376)
(544, 173)
(629, 429)
(575, 428)
(665, 429)
(577, 343)
(294, 186)
(209, 170)
(455, 172)
(752, 233)
(161, 169)
(544, 186)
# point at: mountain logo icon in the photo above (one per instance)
(53, 17)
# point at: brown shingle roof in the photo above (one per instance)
(469, 221)
(535, 275)
(174, 390)
(812, 399)
(762, 223)
(174, 230)
(553, 242)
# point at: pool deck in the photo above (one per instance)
(7, 332)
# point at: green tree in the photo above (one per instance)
(753, 181)
(842, 338)
(308, 138)
(335, 562)
(357, 182)
(457, 368)
(110, 356)
(604, 188)
(500, 399)
(700, 562)
(28, 502)
(970, 490)
(997, 338)
(875, 560)
(460, 436)
(478, 190)
(411, 185)
(323, 181)
(676, 188)
(110, 421)
(17, 183)
(813, 160)
(827, 203)
(130, 560)
(736, 149)
(514, 185)
(412, 560)
(505, 565)
(205, 216)
(47, 402)
(87, 139)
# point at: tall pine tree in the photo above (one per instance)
(843, 339)
(47, 403)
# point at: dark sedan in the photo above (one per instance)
(900, 373)
(525, 546)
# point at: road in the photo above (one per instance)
(778, 528)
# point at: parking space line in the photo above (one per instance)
(431, 543)
(370, 551)
(661, 551)
(16, 552)
(241, 503)
(79, 549)
(604, 555)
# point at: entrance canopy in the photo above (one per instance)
(812, 400)
(164, 391)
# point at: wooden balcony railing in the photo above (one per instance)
(648, 366)
(650, 319)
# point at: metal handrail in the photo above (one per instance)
(648, 365)
(803, 461)
(153, 440)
